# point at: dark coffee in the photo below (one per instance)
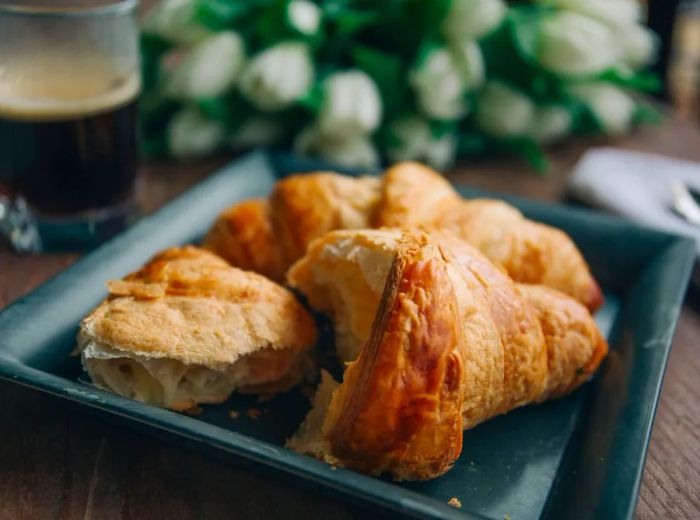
(70, 160)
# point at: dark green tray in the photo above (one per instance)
(581, 456)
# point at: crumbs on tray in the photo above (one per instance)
(253, 413)
(194, 411)
(233, 414)
(454, 502)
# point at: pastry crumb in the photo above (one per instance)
(253, 413)
(506, 517)
(194, 411)
(454, 502)
(233, 414)
(263, 398)
(333, 468)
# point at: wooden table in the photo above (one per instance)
(58, 462)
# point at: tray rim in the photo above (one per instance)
(367, 489)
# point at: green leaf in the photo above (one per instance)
(388, 72)
(221, 14)
(470, 143)
(271, 24)
(440, 129)
(313, 99)
(231, 110)
(524, 25)
(528, 150)
(352, 21)
(643, 81)
(152, 50)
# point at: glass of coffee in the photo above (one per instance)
(69, 85)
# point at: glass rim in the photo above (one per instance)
(118, 7)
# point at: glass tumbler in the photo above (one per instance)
(69, 87)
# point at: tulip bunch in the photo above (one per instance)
(358, 82)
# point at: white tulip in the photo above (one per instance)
(470, 62)
(611, 106)
(551, 123)
(638, 43)
(351, 104)
(174, 20)
(209, 69)
(575, 44)
(609, 11)
(472, 19)
(190, 134)
(502, 111)
(257, 131)
(440, 86)
(414, 141)
(352, 152)
(304, 16)
(278, 76)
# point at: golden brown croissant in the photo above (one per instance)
(529, 251)
(270, 237)
(188, 328)
(516, 344)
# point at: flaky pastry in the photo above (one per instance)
(444, 311)
(269, 235)
(188, 328)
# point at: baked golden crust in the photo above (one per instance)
(517, 344)
(190, 305)
(307, 207)
(411, 195)
(269, 237)
(529, 251)
(243, 236)
(575, 346)
(192, 309)
(509, 354)
(398, 409)
(304, 207)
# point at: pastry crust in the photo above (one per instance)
(304, 207)
(398, 409)
(243, 236)
(516, 344)
(267, 237)
(188, 310)
(530, 252)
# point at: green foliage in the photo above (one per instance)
(386, 40)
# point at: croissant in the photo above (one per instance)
(188, 328)
(445, 342)
(268, 236)
(530, 252)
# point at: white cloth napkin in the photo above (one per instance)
(637, 186)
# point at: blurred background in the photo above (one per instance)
(683, 78)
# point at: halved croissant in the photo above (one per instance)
(398, 409)
(304, 207)
(518, 344)
(188, 328)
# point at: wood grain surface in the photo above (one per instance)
(56, 461)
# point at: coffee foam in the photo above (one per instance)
(51, 95)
